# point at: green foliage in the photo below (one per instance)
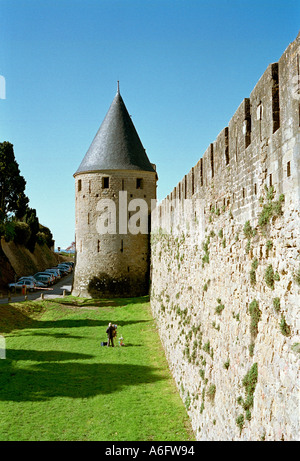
(254, 264)
(297, 276)
(276, 304)
(284, 327)
(219, 307)
(7, 227)
(269, 245)
(227, 364)
(249, 382)
(220, 234)
(255, 315)
(206, 347)
(22, 233)
(205, 246)
(12, 184)
(248, 231)
(240, 420)
(211, 392)
(32, 220)
(252, 276)
(271, 276)
(271, 208)
(248, 246)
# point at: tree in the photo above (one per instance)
(32, 220)
(12, 184)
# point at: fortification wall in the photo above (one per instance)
(112, 261)
(225, 269)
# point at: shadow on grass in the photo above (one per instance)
(72, 301)
(44, 381)
(45, 356)
(12, 318)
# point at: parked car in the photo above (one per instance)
(29, 284)
(64, 268)
(37, 283)
(50, 276)
(65, 265)
(55, 271)
(69, 263)
(44, 279)
(46, 272)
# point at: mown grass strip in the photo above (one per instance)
(58, 383)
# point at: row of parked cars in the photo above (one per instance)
(42, 279)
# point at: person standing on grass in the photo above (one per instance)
(110, 335)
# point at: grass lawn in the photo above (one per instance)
(58, 383)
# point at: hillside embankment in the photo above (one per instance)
(17, 261)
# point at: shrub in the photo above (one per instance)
(297, 276)
(284, 327)
(271, 208)
(240, 422)
(22, 233)
(269, 245)
(252, 276)
(270, 276)
(211, 391)
(255, 314)
(254, 264)
(248, 231)
(249, 382)
(219, 307)
(276, 304)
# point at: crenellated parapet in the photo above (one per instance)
(258, 147)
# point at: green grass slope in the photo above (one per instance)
(58, 383)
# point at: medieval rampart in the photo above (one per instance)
(225, 269)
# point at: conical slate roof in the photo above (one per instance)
(116, 145)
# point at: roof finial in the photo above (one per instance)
(118, 86)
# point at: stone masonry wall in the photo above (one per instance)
(115, 263)
(225, 269)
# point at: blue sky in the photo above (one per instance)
(184, 67)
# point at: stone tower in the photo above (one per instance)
(115, 186)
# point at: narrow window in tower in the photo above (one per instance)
(88, 218)
(89, 186)
(139, 183)
(122, 246)
(275, 97)
(123, 184)
(270, 180)
(105, 183)
(288, 169)
(79, 185)
(193, 182)
(98, 246)
(255, 189)
(226, 146)
(201, 172)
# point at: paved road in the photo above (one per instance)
(55, 291)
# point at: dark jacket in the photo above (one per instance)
(110, 331)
